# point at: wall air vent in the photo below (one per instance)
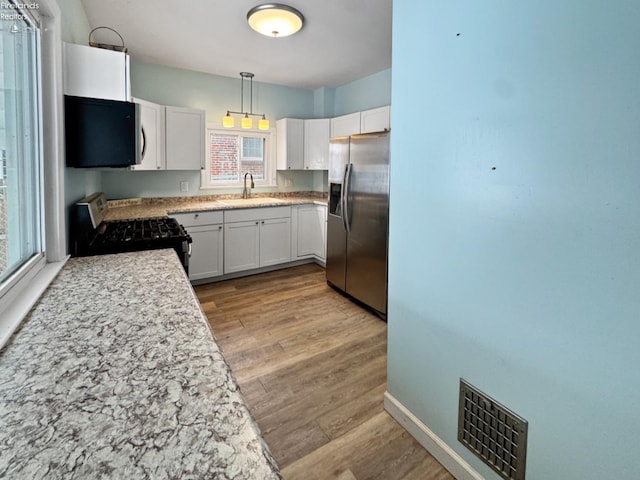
(492, 432)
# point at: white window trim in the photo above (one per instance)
(26, 285)
(270, 152)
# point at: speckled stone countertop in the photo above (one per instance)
(163, 206)
(115, 374)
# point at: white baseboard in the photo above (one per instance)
(442, 452)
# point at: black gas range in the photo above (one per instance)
(93, 236)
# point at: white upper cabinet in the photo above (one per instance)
(290, 144)
(184, 138)
(152, 136)
(96, 73)
(367, 121)
(302, 144)
(375, 120)
(345, 125)
(316, 144)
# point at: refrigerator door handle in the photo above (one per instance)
(345, 198)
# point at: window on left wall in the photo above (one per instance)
(21, 168)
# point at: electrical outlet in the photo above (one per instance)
(288, 182)
(184, 186)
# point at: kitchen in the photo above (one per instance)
(213, 212)
(476, 215)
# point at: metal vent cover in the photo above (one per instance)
(492, 432)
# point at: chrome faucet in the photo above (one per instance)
(247, 192)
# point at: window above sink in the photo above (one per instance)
(233, 153)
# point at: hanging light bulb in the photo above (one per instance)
(246, 121)
(227, 120)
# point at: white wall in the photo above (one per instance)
(515, 223)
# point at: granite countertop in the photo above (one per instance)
(163, 206)
(115, 374)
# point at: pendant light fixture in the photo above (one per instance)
(275, 19)
(247, 122)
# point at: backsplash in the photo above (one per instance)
(129, 202)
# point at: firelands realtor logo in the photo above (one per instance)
(8, 10)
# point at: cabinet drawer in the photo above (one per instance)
(194, 219)
(247, 214)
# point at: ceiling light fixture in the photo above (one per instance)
(247, 122)
(275, 19)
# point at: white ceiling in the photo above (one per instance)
(341, 41)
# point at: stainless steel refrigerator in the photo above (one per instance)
(358, 220)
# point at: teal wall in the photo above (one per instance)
(515, 223)
(369, 92)
(214, 94)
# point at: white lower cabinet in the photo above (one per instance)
(241, 246)
(237, 240)
(206, 251)
(207, 235)
(256, 237)
(309, 235)
(275, 238)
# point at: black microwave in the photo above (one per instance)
(101, 133)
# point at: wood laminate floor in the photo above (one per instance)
(312, 367)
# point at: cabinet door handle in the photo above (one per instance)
(220, 227)
(263, 222)
(256, 223)
(197, 215)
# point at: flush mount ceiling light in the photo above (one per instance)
(275, 19)
(247, 122)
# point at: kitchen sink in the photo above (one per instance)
(251, 201)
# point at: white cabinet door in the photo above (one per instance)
(241, 246)
(290, 144)
(184, 138)
(375, 120)
(207, 248)
(275, 241)
(316, 144)
(206, 251)
(96, 72)
(345, 125)
(311, 231)
(152, 126)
